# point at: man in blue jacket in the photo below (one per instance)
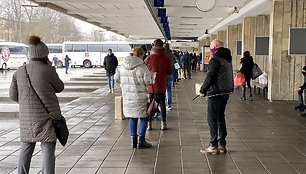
(186, 65)
(219, 83)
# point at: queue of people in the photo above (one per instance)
(140, 81)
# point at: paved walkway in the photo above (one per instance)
(263, 137)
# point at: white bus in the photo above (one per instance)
(13, 55)
(89, 54)
(56, 54)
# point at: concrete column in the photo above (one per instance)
(213, 37)
(233, 35)
(284, 70)
(252, 27)
(222, 35)
(248, 34)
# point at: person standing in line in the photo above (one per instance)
(186, 65)
(67, 61)
(175, 69)
(110, 64)
(160, 64)
(247, 64)
(134, 78)
(35, 123)
(218, 85)
(169, 82)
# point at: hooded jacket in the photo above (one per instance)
(134, 77)
(158, 62)
(110, 64)
(219, 79)
(247, 64)
(35, 123)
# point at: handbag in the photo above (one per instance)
(239, 79)
(60, 126)
(256, 71)
(152, 106)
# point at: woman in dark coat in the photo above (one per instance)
(35, 123)
(247, 64)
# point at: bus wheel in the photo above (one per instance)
(59, 64)
(4, 66)
(87, 64)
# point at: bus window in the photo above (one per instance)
(114, 47)
(124, 48)
(68, 48)
(79, 47)
(94, 47)
(55, 49)
(17, 50)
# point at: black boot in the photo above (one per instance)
(143, 144)
(303, 114)
(300, 105)
(134, 141)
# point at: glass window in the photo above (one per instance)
(17, 49)
(79, 47)
(124, 48)
(68, 48)
(94, 47)
(55, 49)
(110, 46)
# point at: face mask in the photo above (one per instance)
(213, 51)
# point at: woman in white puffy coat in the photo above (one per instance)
(134, 78)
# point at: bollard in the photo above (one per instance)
(118, 108)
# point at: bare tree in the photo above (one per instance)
(22, 21)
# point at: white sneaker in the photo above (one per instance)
(110, 91)
(210, 150)
(113, 90)
(163, 126)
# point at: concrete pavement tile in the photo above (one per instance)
(115, 164)
(111, 171)
(77, 170)
(144, 170)
(66, 161)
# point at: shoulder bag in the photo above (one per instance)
(60, 126)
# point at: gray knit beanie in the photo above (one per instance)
(37, 48)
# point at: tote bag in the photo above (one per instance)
(239, 79)
(256, 71)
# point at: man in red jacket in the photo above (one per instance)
(160, 64)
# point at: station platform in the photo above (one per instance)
(263, 138)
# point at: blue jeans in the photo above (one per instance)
(142, 127)
(111, 81)
(169, 92)
(66, 68)
(216, 119)
(175, 76)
